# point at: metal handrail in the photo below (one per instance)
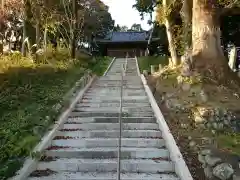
(120, 125)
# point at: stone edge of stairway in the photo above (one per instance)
(110, 65)
(181, 168)
(30, 164)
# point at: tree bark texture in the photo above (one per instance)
(26, 25)
(186, 13)
(74, 31)
(38, 26)
(208, 56)
(171, 44)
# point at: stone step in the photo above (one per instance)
(70, 130)
(110, 114)
(104, 94)
(108, 142)
(113, 126)
(114, 86)
(106, 78)
(104, 99)
(94, 114)
(85, 100)
(117, 87)
(115, 110)
(107, 165)
(98, 110)
(126, 85)
(105, 176)
(114, 103)
(92, 101)
(126, 80)
(115, 94)
(130, 98)
(113, 90)
(107, 99)
(112, 120)
(105, 153)
(97, 105)
(119, 78)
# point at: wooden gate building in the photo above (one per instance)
(119, 44)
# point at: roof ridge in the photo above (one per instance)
(129, 31)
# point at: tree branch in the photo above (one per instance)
(232, 8)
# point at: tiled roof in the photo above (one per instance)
(127, 36)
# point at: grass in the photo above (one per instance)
(28, 92)
(99, 65)
(229, 141)
(146, 62)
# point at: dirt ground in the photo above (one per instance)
(225, 145)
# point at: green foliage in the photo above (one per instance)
(146, 6)
(28, 92)
(120, 28)
(179, 40)
(57, 17)
(146, 62)
(181, 31)
(192, 80)
(228, 3)
(230, 142)
(100, 65)
(136, 27)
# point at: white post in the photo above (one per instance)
(152, 69)
(232, 58)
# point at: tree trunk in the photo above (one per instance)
(38, 27)
(26, 23)
(186, 13)
(45, 42)
(74, 32)
(171, 45)
(38, 34)
(24, 52)
(208, 57)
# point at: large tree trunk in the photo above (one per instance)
(24, 51)
(171, 45)
(186, 13)
(74, 32)
(172, 48)
(208, 57)
(38, 26)
(45, 39)
(206, 30)
(26, 25)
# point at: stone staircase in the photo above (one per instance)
(86, 145)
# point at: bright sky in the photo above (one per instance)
(123, 13)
